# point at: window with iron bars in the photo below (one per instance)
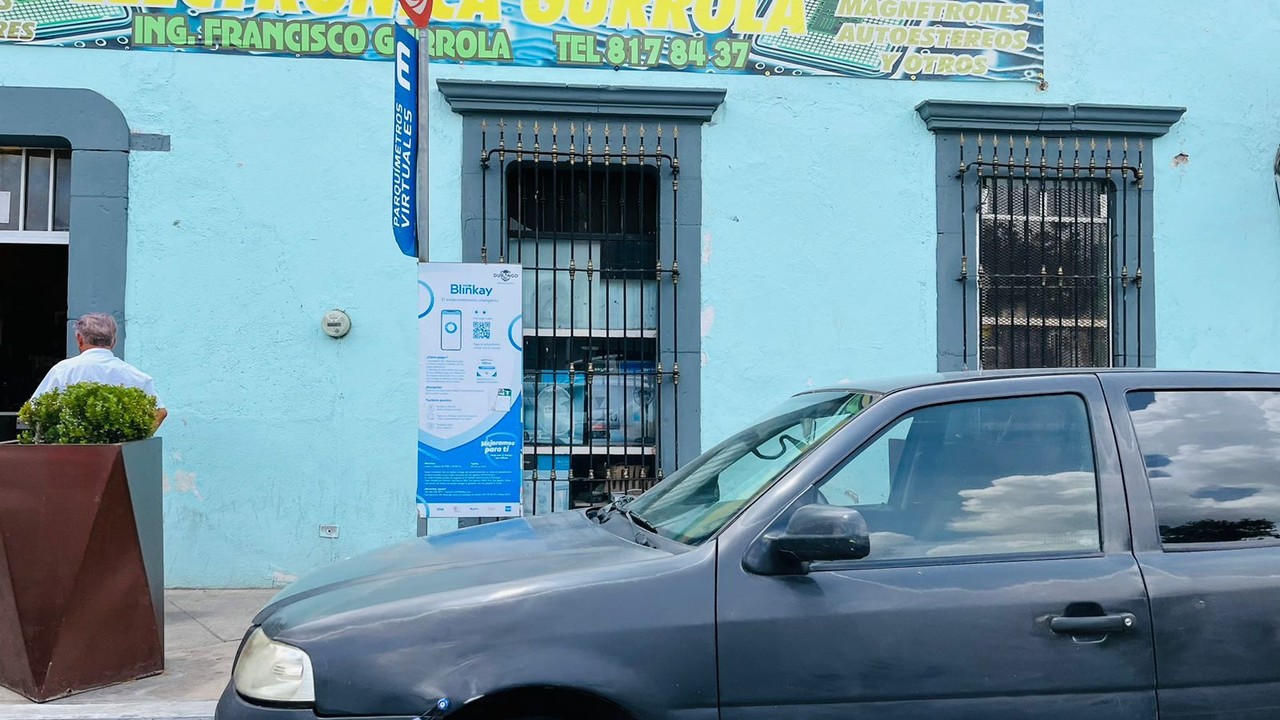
(1050, 249)
(35, 195)
(591, 208)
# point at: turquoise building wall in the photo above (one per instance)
(818, 250)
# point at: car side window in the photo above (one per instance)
(1213, 463)
(867, 477)
(983, 477)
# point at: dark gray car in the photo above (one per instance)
(1072, 544)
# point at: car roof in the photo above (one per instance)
(890, 384)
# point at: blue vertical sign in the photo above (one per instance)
(404, 176)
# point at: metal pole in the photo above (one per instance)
(422, 162)
(422, 169)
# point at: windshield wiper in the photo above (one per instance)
(620, 507)
(638, 521)
(603, 513)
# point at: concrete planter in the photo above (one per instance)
(81, 566)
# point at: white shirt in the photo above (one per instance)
(97, 365)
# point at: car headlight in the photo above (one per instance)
(271, 671)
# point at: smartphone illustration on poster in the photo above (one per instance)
(450, 329)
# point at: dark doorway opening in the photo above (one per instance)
(33, 322)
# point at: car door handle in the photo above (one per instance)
(1092, 624)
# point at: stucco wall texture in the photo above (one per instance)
(818, 254)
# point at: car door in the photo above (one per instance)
(1201, 457)
(994, 507)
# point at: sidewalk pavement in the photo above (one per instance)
(203, 628)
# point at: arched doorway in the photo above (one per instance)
(64, 186)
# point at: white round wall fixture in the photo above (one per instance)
(336, 323)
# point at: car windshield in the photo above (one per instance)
(702, 497)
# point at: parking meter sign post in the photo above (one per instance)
(419, 12)
(424, 199)
(406, 163)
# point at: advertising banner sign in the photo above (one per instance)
(404, 161)
(888, 39)
(470, 375)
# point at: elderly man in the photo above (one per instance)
(96, 335)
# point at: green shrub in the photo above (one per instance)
(41, 415)
(89, 413)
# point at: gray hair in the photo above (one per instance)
(97, 329)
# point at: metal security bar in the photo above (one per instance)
(588, 208)
(1057, 244)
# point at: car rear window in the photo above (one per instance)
(1213, 463)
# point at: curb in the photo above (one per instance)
(156, 710)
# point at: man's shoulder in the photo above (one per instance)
(100, 368)
(124, 366)
(83, 359)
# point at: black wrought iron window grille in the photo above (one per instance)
(589, 209)
(1051, 261)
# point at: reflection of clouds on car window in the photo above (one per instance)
(1213, 459)
(1010, 475)
(1046, 506)
(1224, 494)
(1019, 513)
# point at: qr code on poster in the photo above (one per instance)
(482, 330)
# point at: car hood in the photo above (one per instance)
(469, 560)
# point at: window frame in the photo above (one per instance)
(1129, 324)
(771, 512)
(958, 303)
(96, 132)
(22, 235)
(1141, 503)
(484, 104)
(1146, 478)
(976, 557)
(1117, 258)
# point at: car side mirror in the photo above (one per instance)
(815, 533)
